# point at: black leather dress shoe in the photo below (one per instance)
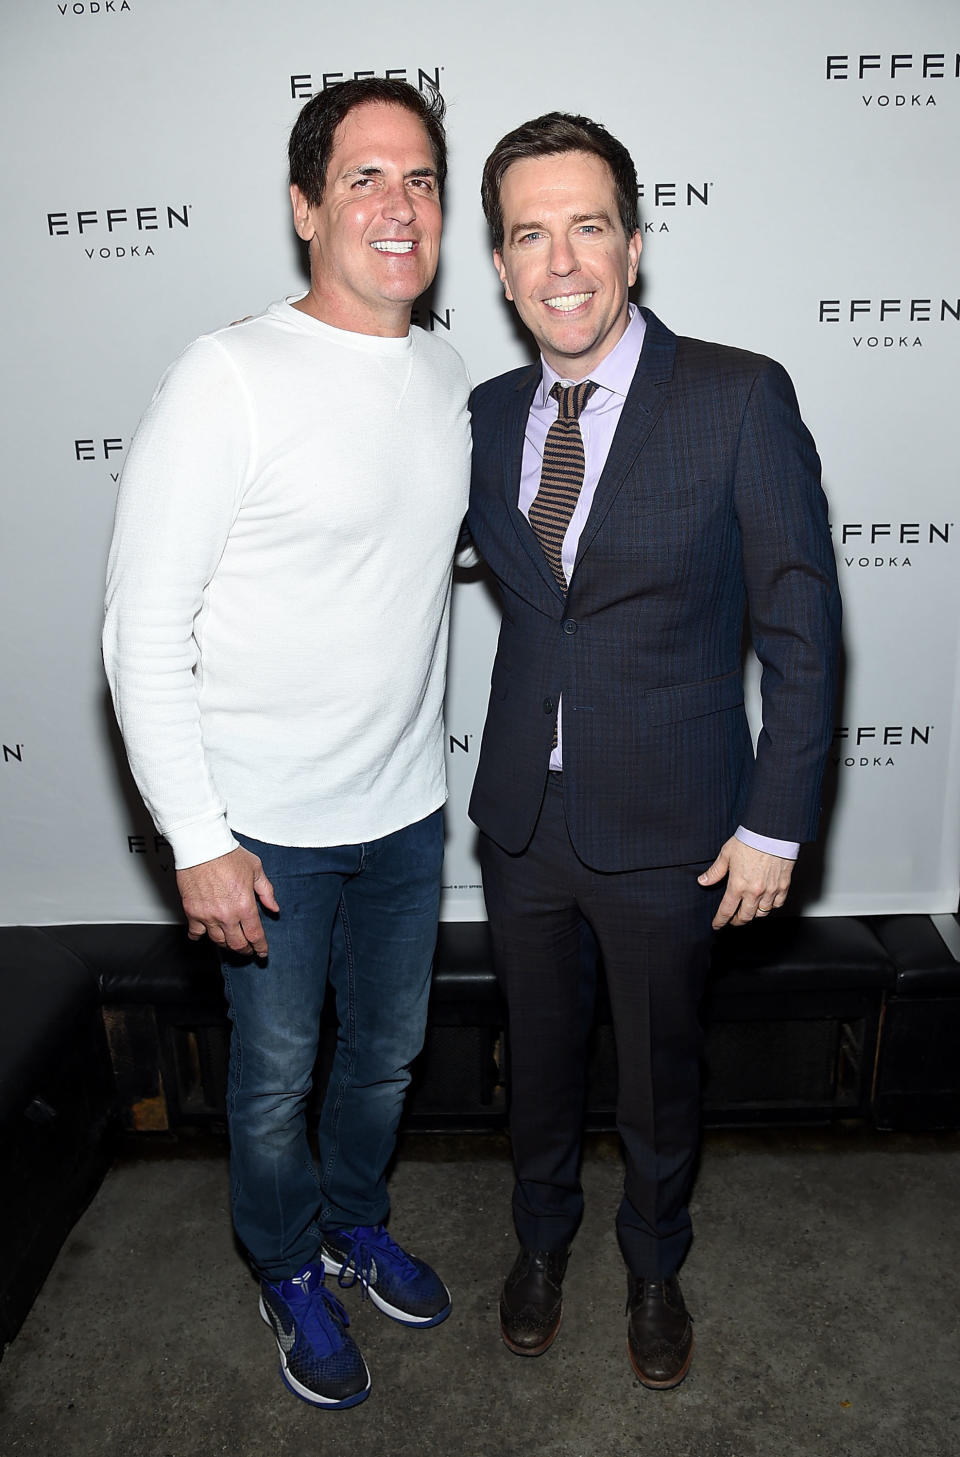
(531, 1301)
(659, 1331)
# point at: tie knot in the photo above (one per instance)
(572, 397)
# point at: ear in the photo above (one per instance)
(498, 265)
(301, 214)
(634, 249)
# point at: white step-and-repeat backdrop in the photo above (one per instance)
(799, 198)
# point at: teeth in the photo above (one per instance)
(389, 247)
(567, 302)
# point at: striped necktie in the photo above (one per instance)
(561, 477)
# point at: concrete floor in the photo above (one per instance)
(824, 1282)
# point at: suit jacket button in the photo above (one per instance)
(549, 706)
(569, 626)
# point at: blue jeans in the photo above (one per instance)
(366, 916)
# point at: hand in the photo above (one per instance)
(757, 882)
(220, 899)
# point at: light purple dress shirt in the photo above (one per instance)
(598, 421)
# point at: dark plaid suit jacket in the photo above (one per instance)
(709, 508)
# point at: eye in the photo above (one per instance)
(528, 238)
(424, 184)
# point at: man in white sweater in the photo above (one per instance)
(276, 631)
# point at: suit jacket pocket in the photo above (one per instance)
(676, 498)
(692, 700)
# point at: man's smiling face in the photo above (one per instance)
(566, 261)
(375, 237)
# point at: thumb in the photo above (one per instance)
(264, 891)
(715, 873)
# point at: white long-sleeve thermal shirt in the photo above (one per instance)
(279, 584)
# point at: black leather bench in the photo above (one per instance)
(58, 1109)
(807, 1020)
(165, 1016)
(792, 1012)
(917, 1082)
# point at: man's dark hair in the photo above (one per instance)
(314, 131)
(547, 136)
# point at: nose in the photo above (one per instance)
(398, 204)
(563, 259)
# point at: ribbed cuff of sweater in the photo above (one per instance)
(205, 840)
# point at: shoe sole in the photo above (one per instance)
(313, 1398)
(531, 1350)
(661, 1385)
(402, 1317)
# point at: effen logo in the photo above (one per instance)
(872, 746)
(462, 745)
(153, 845)
(889, 543)
(303, 85)
(99, 448)
(660, 195)
(888, 323)
(120, 232)
(430, 319)
(880, 75)
(12, 753)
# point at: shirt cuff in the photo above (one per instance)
(202, 841)
(786, 849)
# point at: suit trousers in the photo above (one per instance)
(654, 934)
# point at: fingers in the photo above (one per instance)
(250, 932)
(727, 910)
(243, 936)
(737, 910)
(739, 907)
(264, 891)
(773, 903)
(717, 871)
(220, 901)
(757, 883)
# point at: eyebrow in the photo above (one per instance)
(372, 169)
(601, 216)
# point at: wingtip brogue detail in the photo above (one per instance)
(659, 1332)
(531, 1301)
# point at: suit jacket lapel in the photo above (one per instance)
(646, 398)
(514, 430)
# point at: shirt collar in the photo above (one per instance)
(615, 372)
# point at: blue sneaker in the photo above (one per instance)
(400, 1285)
(318, 1360)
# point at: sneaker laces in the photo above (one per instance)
(312, 1313)
(363, 1246)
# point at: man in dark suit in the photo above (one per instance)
(635, 494)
